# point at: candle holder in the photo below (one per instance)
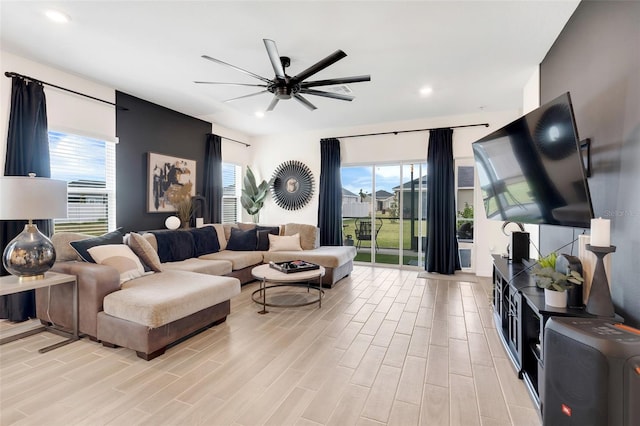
(599, 302)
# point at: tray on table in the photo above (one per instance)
(293, 266)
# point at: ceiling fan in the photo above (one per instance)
(285, 87)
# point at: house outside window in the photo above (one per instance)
(89, 167)
(231, 192)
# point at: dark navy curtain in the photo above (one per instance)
(442, 247)
(330, 197)
(27, 152)
(213, 179)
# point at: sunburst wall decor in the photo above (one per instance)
(292, 186)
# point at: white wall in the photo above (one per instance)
(233, 152)
(65, 111)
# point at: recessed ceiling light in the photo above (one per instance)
(259, 114)
(58, 17)
(426, 91)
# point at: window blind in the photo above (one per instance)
(231, 191)
(89, 167)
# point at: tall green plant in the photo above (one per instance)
(253, 195)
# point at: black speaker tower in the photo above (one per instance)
(519, 246)
(591, 373)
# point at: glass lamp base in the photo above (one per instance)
(29, 255)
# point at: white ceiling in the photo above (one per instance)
(475, 54)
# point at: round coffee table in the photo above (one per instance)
(266, 274)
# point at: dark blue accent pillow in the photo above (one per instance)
(82, 246)
(263, 236)
(205, 240)
(242, 240)
(174, 246)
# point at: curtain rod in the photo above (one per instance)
(410, 131)
(233, 140)
(35, 80)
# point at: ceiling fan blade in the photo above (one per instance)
(231, 84)
(274, 56)
(319, 66)
(327, 94)
(336, 81)
(273, 103)
(246, 96)
(218, 61)
(304, 102)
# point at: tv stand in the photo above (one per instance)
(520, 314)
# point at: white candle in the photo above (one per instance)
(199, 222)
(600, 232)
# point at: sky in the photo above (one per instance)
(387, 177)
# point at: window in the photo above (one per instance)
(89, 167)
(231, 192)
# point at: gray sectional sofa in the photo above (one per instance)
(189, 287)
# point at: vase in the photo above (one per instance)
(554, 298)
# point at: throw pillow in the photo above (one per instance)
(263, 236)
(284, 242)
(222, 239)
(206, 240)
(174, 246)
(144, 251)
(242, 240)
(309, 239)
(120, 257)
(82, 246)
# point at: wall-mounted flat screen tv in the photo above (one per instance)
(531, 170)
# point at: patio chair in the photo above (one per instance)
(364, 230)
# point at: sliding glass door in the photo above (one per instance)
(383, 207)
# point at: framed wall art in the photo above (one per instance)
(169, 181)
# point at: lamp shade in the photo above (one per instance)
(32, 198)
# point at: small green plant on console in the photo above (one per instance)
(547, 277)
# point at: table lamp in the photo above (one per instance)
(31, 253)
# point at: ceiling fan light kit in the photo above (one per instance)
(284, 87)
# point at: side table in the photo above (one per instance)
(11, 284)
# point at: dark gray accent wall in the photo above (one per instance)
(144, 128)
(597, 59)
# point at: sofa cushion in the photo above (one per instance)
(238, 259)
(119, 256)
(242, 240)
(222, 239)
(144, 251)
(327, 256)
(202, 266)
(82, 246)
(61, 242)
(263, 236)
(164, 297)
(308, 234)
(284, 242)
(174, 246)
(205, 240)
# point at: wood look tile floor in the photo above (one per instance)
(386, 348)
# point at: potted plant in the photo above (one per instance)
(184, 208)
(554, 283)
(253, 195)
